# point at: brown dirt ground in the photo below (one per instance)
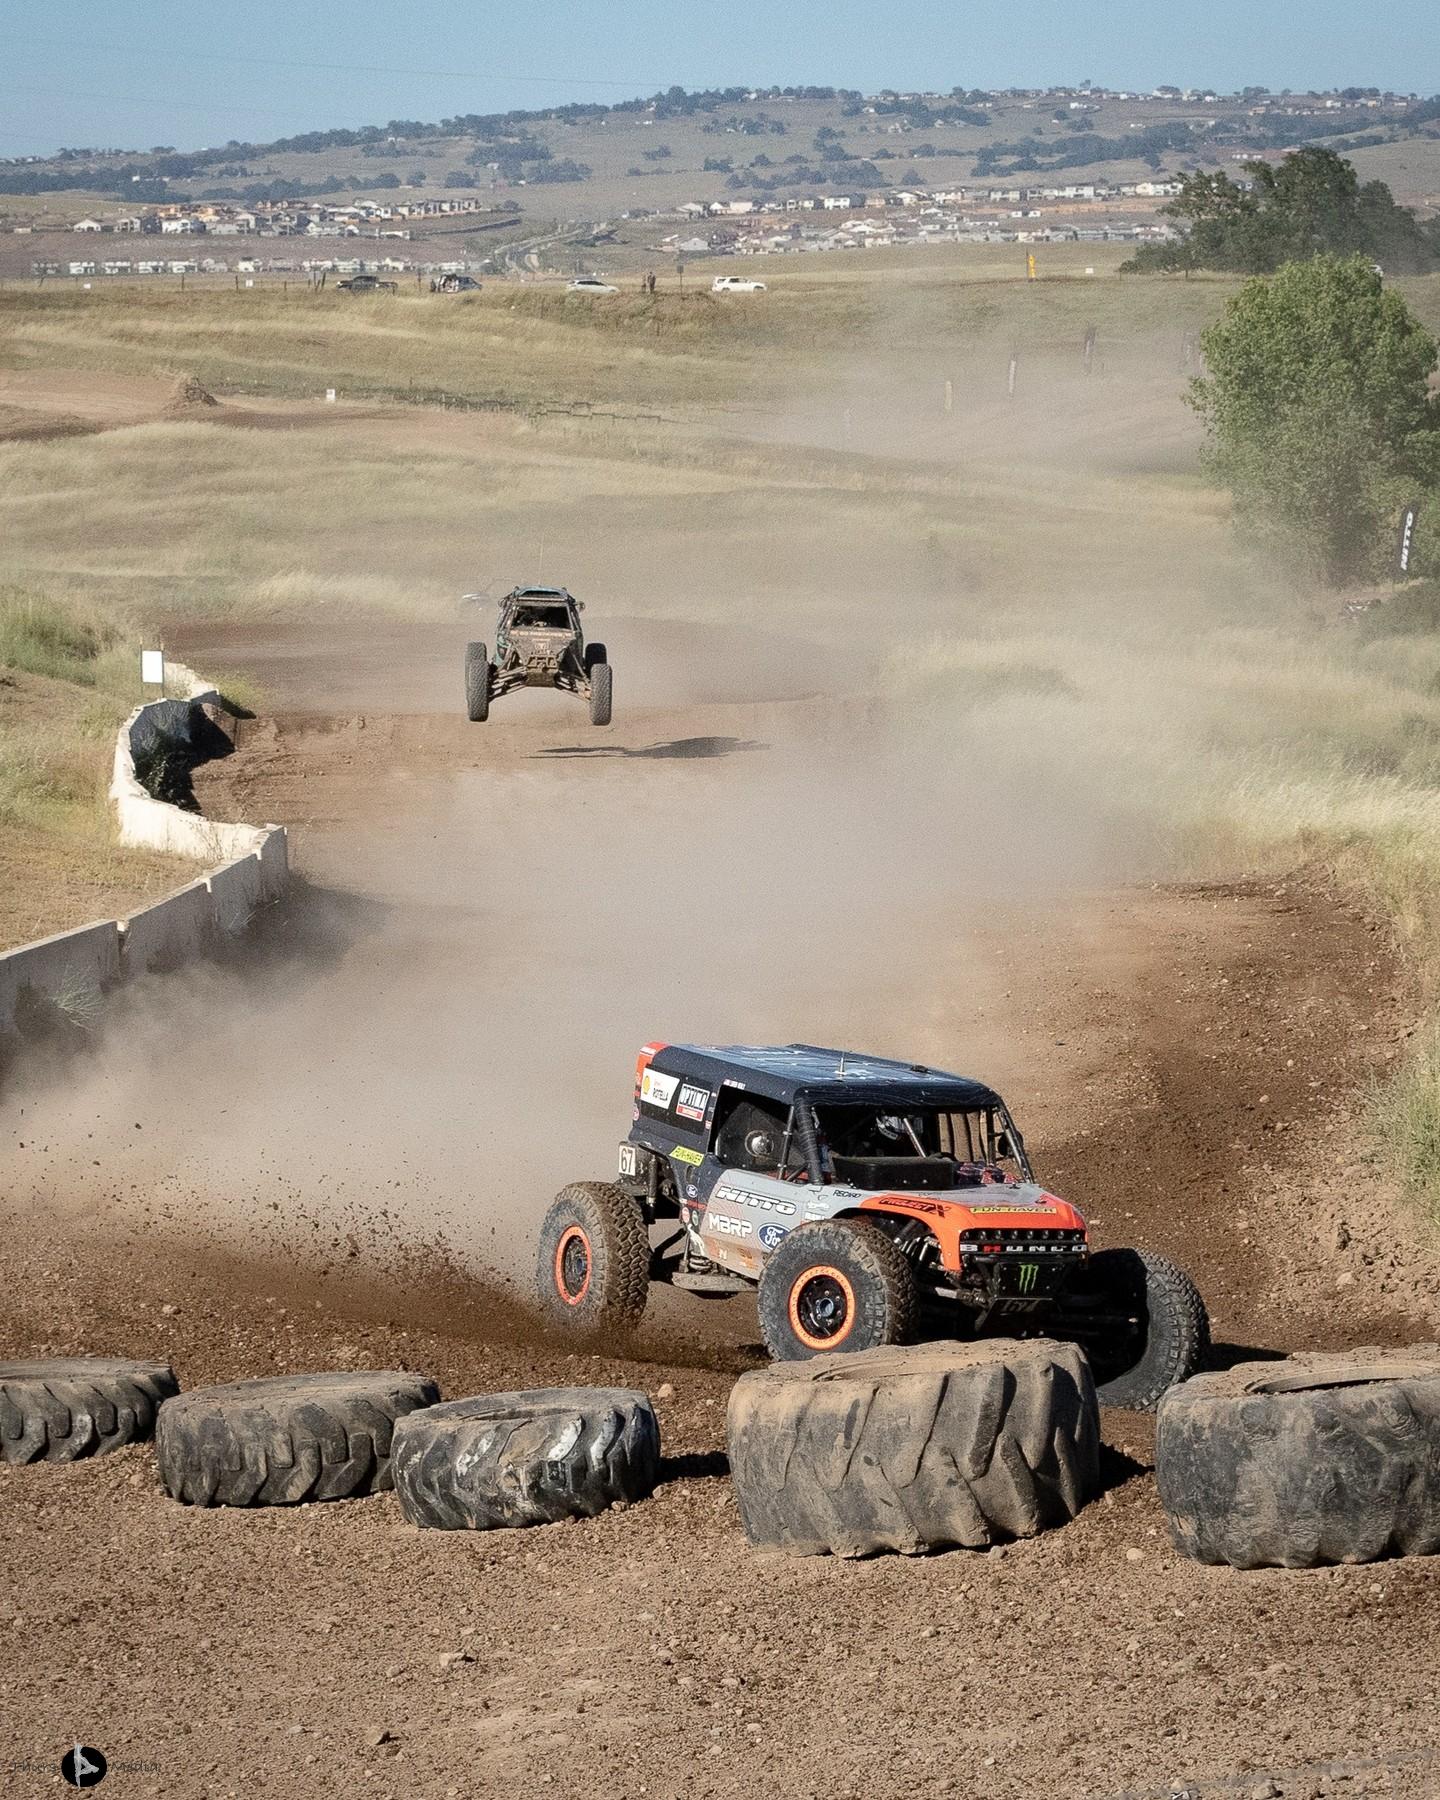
(1192, 1058)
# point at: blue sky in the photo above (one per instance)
(190, 72)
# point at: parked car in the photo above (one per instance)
(366, 284)
(454, 284)
(591, 284)
(736, 284)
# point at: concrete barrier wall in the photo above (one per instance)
(178, 929)
(69, 974)
(236, 891)
(146, 823)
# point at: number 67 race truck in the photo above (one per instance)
(865, 1202)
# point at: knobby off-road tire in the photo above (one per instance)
(477, 683)
(600, 694)
(285, 1439)
(593, 1267)
(1329, 1457)
(914, 1449)
(835, 1285)
(68, 1407)
(503, 1460)
(1169, 1341)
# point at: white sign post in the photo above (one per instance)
(152, 668)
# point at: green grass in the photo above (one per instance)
(44, 638)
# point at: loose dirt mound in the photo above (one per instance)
(188, 395)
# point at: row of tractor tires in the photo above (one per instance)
(930, 1447)
(287, 1439)
(1325, 1457)
(505, 1460)
(66, 1408)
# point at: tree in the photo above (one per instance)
(1310, 204)
(1316, 404)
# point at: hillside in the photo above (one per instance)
(653, 156)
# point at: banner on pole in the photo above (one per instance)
(1405, 541)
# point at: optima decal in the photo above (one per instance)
(692, 1102)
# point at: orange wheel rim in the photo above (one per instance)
(572, 1265)
(822, 1307)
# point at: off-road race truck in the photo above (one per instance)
(866, 1202)
(538, 643)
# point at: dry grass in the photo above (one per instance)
(1068, 614)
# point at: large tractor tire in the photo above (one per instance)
(1329, 1457)
(72, 1406)
(835, 1285)
(593, 1268)
(1141, 1321)
(477, 683)
(285, 1439)
(600, 694)
(502, 1460)
(925, 1448)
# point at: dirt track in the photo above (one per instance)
(1186, 1063)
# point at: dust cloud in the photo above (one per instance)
(451, 1035)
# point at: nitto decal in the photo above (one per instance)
(684, 1155)
(734, 1196)
(770, 1235)
(740, 1228)
(692, 1102)
(656, 1089)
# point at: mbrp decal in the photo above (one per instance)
(657, 1089)
(717, 1222)
(692, 1102)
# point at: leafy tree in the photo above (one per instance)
(1311, 204)
(1319, 419)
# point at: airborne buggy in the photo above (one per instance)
(865, 1202)
(538, 643)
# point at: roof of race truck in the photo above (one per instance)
(827, 1077)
